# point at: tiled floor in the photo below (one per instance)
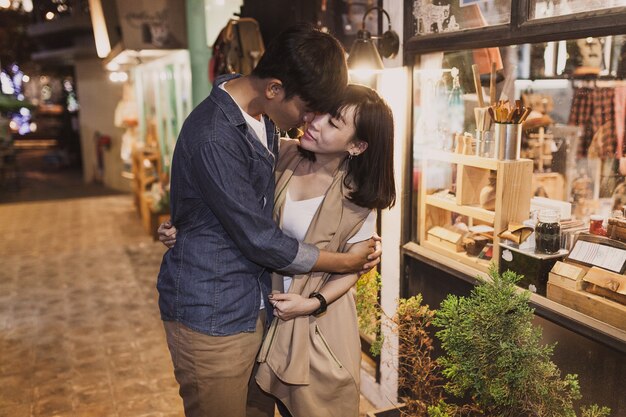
(80, 333)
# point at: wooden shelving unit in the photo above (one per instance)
(512, 204)
(146, 170)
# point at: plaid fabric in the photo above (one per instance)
(620, 118)
(593, 109)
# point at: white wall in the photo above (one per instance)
(98, 97)
(394, 85)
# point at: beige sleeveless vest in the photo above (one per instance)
(312, 364)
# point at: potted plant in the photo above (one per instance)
(493, 355)
(419, 374)
(493, 364)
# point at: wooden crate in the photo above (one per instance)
(592, 305)
(606, 284)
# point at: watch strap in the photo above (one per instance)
(323, 303)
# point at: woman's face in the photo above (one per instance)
(329, 135)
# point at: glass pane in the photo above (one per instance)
(541, 9)
(574, 135)
(437, 16)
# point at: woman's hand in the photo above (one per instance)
(290, 306)
(167, 234)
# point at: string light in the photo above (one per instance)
(118, 77)
(24, 5)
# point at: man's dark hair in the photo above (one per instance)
(311, 64)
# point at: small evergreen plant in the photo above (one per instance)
(494, 355)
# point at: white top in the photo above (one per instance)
(298, 215)
(257, 126)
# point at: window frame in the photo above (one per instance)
(520, 30)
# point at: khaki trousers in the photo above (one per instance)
(214, 372)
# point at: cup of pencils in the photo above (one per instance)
(508, 121)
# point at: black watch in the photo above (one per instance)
(323, 303)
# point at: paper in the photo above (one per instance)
(599, 255)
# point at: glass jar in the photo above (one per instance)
(548, 232)
(596, 225)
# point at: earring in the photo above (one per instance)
(351, 156)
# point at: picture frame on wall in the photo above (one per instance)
(432, 17)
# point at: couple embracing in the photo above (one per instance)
(268, 236)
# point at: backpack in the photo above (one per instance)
(237, 49)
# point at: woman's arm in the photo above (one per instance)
(288, 306)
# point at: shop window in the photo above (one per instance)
(432, 16)
(569, 98)
(541, 9)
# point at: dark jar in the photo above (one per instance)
(548, 232)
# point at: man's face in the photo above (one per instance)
(289, 113)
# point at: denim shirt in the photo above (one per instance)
(222, 197)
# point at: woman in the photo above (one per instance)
(328, 187)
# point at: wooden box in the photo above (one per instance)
(592, 305)
(470, 182)
(446, 238)
(606, 284)
(617, 229)
(567, 276)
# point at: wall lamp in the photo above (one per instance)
(364, 53)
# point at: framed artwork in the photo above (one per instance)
(441, 16)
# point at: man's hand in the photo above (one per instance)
(290, 306)
(167, 234)
(369, 252)
(374, 256)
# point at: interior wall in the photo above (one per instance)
(98, 97)
(394, 86)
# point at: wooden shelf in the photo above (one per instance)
(470, 211)
(471, 261)
(473, 173)
(468, 160)
(146, 170)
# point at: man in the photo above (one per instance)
(213, 282)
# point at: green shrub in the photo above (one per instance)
(494, 355)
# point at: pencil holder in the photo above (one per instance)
(508, 138)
